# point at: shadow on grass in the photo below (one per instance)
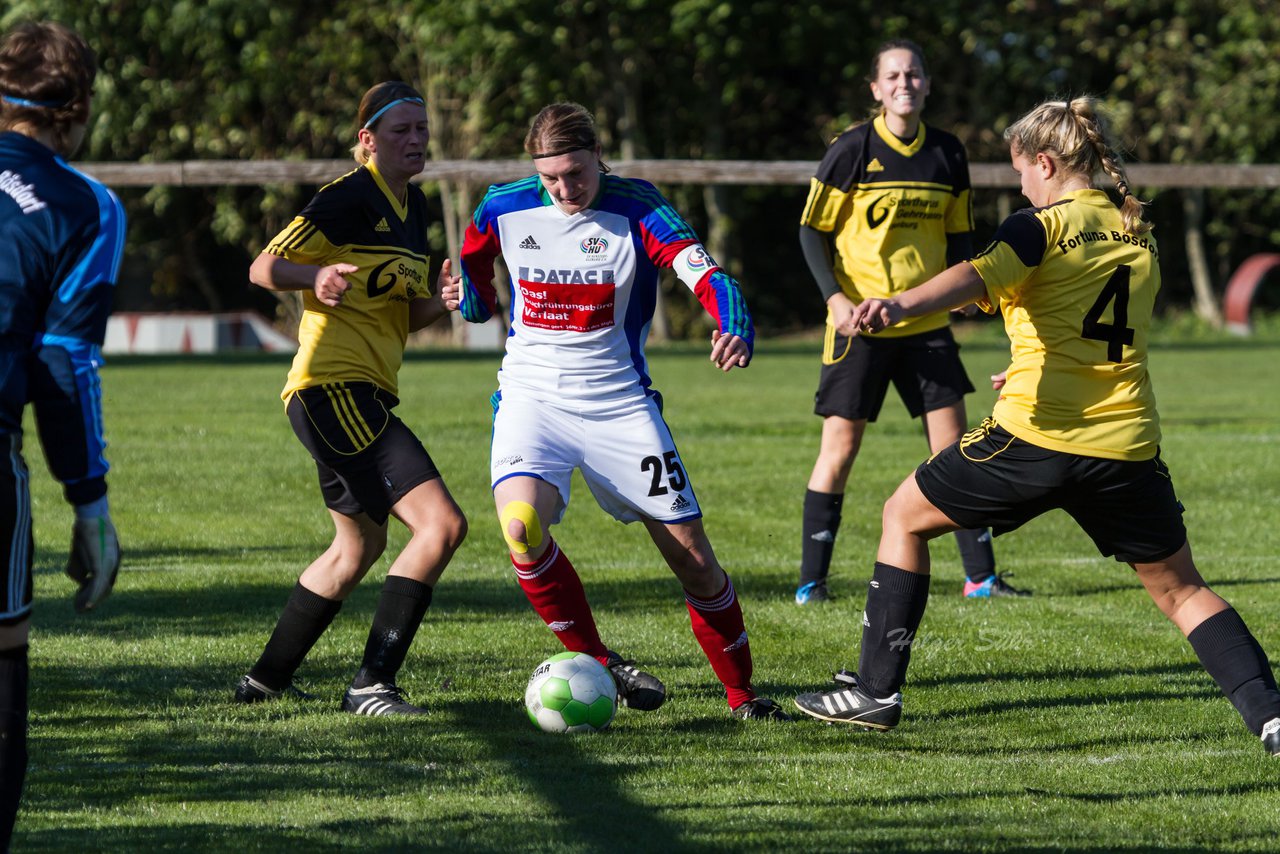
(284, 770)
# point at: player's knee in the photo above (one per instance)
(895, 515)
(520, 526)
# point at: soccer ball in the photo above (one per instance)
(571, 692)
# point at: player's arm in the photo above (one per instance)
(425, 311)
(815, 245)
(66, 395)
(721, 297)
(670, 242)
(953, 287)
(477, 297)
(276, 273)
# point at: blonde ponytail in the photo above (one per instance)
(1075, 134)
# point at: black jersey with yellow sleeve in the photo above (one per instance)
(357, 220)
(889, 206)
(1077, 293)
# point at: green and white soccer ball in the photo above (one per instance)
(571, 692)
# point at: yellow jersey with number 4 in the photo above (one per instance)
(1076, 292)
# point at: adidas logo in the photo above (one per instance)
(875, 165)
(824, 537)
(739, 643)
(382, 225)
(529, 243)
(681, 503)
(560, 625)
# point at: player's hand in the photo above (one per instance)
(94, 560)
(449, 287)
(872, 315)
(967, 311)
(729, 351)
(330, 285)
(841, 308)
(998, 380)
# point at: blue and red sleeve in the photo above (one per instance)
(480, 247)
(665, 235)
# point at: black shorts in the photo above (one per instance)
(366, 457)
(992, 479)
(856, 373)
(16, 541)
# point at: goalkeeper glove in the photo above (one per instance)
(94, 561)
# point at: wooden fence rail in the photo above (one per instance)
(201, 173)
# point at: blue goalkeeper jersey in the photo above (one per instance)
(61, 239)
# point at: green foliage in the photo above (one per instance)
(1019, 715)
(1188, 82)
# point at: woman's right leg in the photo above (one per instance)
(823, 503)
(358, 541)
(526, 506)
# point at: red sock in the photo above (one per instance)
(555, 592)
(717, 624)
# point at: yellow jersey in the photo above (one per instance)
(357, 220)
(890, 205)
(1077, 293)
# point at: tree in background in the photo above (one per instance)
(1190, 81)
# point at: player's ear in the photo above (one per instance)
(1045, 164)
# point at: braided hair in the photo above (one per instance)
(1075, 134)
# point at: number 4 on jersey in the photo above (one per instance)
(1116, 334)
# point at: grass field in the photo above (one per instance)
(1075, 721)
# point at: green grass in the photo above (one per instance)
(1075, 721)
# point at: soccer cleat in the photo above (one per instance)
(377, 700)
(637, 690)
(991, 588)
(761, 709)
(814, 591)
(250, 690)
(1271, 736)
(850, 704)
(94, 561)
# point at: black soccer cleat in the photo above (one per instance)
(250, 690)
(850, 704)
(1271, 736)
(377, 700)
(637, 690)
(761, 709)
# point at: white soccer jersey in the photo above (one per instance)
(583, 288)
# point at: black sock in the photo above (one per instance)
(976, 554)
(1237, 663)
(895, 604)
(401, 606)
(13, 737)
(821, 524)
(306, 616)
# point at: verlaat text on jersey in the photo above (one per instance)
(1113, 236)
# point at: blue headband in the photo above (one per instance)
(23, 102)
(378, 114)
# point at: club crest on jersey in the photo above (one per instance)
(878, 211)
(699, 260)
(594, 246)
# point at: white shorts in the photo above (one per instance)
(627, 458)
